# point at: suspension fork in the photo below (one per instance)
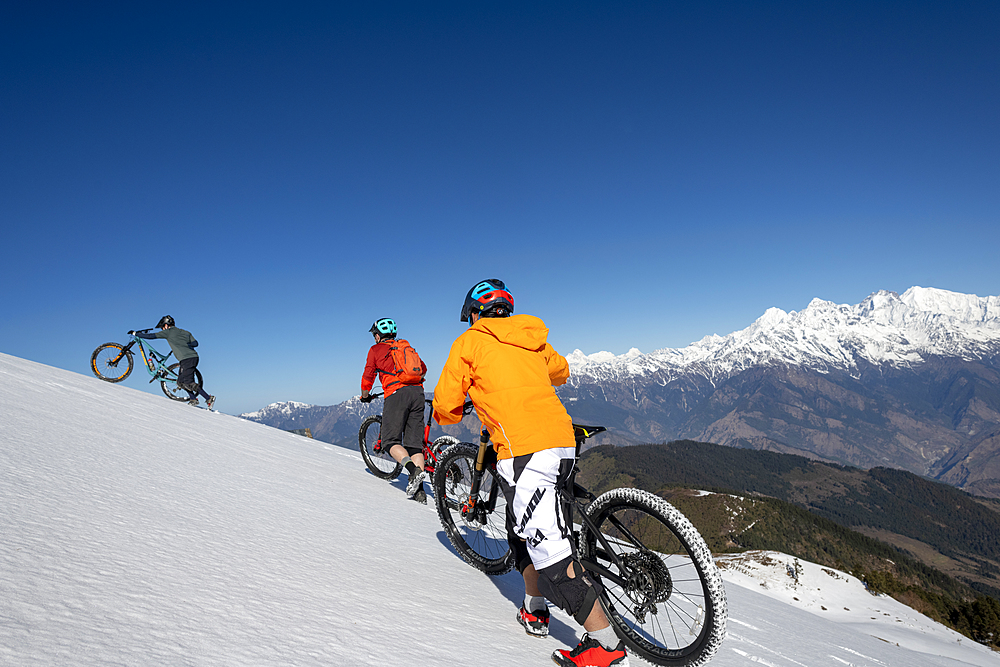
(472, 504)
(125, 350)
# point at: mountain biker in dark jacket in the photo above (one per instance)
(403, 411)
(182, 343)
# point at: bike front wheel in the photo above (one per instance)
(111, 362)
(662, 590)
(169, 385)
(479, 534)
(378, 459)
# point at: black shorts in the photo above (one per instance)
(403, 419)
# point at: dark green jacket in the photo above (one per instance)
(181, 342)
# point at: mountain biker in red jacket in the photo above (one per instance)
(403, 411)
(508, 369)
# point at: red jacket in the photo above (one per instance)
(380, 361)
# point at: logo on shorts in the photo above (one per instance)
(537, 539)
(530, 509)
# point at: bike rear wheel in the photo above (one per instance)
(378, 460)
(665, 597)
(111, 362)
(480, 536)
(169, 385)
(438, 446)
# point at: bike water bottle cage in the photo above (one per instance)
(165, 321)
(384, 327)
(489, 298)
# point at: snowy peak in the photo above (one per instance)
(885, 328)
(283, 409)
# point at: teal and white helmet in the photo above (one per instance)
(385, 327)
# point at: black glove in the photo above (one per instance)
(367, 399)
(131, 333)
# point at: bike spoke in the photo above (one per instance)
(656, 590)
(478, 533)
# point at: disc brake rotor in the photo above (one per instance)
(469, 516)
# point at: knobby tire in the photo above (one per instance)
(480, 541)
(380, 463)
(668, 603)
(104, 356)
(169, 385)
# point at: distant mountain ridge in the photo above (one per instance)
(909, 381)
(339, 423)
(884, 329)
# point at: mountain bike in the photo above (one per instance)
(113, 362)
(380, 462)
(661, 589)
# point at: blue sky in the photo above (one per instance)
(278, 175)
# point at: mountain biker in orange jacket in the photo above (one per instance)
(508, 369)
(403, 411)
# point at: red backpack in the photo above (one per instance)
(409, 368)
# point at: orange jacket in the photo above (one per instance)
(508, 370)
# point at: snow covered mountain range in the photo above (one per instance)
(884, 329)
(910, 381)
(139, 531)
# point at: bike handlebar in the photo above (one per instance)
(467, 407)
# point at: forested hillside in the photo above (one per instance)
(828, 514)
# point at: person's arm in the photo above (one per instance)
(147, 336)
(452, 386)
(557, 365)
(369, 374)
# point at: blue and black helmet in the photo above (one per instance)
(489, 298)
(385, 327)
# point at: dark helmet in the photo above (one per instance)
(489, 298)
(385, 327)
(165, 321)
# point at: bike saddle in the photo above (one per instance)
(583, 432)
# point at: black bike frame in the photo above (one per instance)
(570, 501)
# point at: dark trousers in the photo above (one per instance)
(403, 419)
(185, 378)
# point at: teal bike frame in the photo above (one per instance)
(113, 362)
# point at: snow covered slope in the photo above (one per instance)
(885, 328)
(137, 531)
